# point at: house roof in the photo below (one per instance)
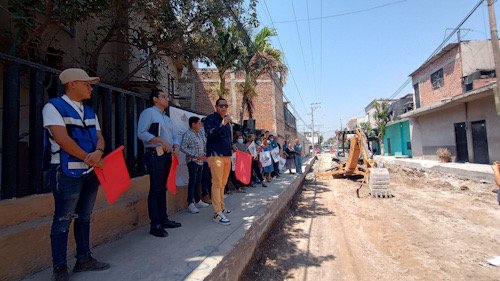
(443, 51)
(371, 104)
(466, 97)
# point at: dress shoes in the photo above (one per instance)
(90, 264)
(171, 224)
(158, 231)
(60, 274)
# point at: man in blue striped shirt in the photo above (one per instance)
(156, 131)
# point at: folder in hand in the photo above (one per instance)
(154, 129)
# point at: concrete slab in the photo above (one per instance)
(200, 249)
(481, 172)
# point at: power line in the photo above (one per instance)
(398, 91)
(344, 14)
(300, 43)
(310, 48)
(321, 49)
(247, 37)
(288, 66)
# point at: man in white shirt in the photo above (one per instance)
(76, 145)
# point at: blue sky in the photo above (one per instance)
(347, 61)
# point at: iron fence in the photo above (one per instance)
(26, 88)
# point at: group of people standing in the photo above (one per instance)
(77, 145)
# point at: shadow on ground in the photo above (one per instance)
(278, 253)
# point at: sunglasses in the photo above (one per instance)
(223, 105)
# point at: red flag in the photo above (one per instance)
(113, 175)
(243, 167)
(171, 181)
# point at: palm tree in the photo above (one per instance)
(226, 51)
(257, 58)
(381, 120)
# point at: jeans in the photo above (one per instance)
(195, 173)
(206, 180)
(158, 168)
(298, 164)
(220, 166)
(74, 198)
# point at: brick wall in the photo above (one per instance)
(482, 82)
(268, 104)
(452, 74)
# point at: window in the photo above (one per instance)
(417, 95)
(437, 79)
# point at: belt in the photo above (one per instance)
(153, 150)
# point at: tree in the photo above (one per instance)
(32, 19)
(320, 139)
(147, 30)
(227, 50)
(258, 57)
(381, 120)
(367, 127)
(331, 141)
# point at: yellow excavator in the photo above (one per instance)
(366, 167)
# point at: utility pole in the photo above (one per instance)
(314, 106)
(496, 50)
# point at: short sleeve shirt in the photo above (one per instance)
(52, 117)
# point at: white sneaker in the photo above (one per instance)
(201, 204)
(220, 218)
(192, 209)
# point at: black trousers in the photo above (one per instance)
(158, 168)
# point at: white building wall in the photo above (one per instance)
(484, 109)
(434, 130)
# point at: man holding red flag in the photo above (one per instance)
(156, 131)
(76, 145)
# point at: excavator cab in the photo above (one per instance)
(360, 163)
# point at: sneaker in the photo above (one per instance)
(192, 209)
(226, 211)
(89, 264)
(220, 218)
(201, 204)
(60, 273)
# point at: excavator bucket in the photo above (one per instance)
(378, 182)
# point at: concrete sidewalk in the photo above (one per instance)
(200, 249)
(481, 172)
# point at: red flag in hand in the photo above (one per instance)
(113, 175)
(171, 181)
(243, 167)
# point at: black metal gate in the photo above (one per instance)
(461, 142)
(480, 142)
(21, 156)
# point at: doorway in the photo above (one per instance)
(480, 142)
(461, 142)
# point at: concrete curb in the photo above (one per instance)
(200, 249)
(232, 264)
(462, 171)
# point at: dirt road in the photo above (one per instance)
(436, 227)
